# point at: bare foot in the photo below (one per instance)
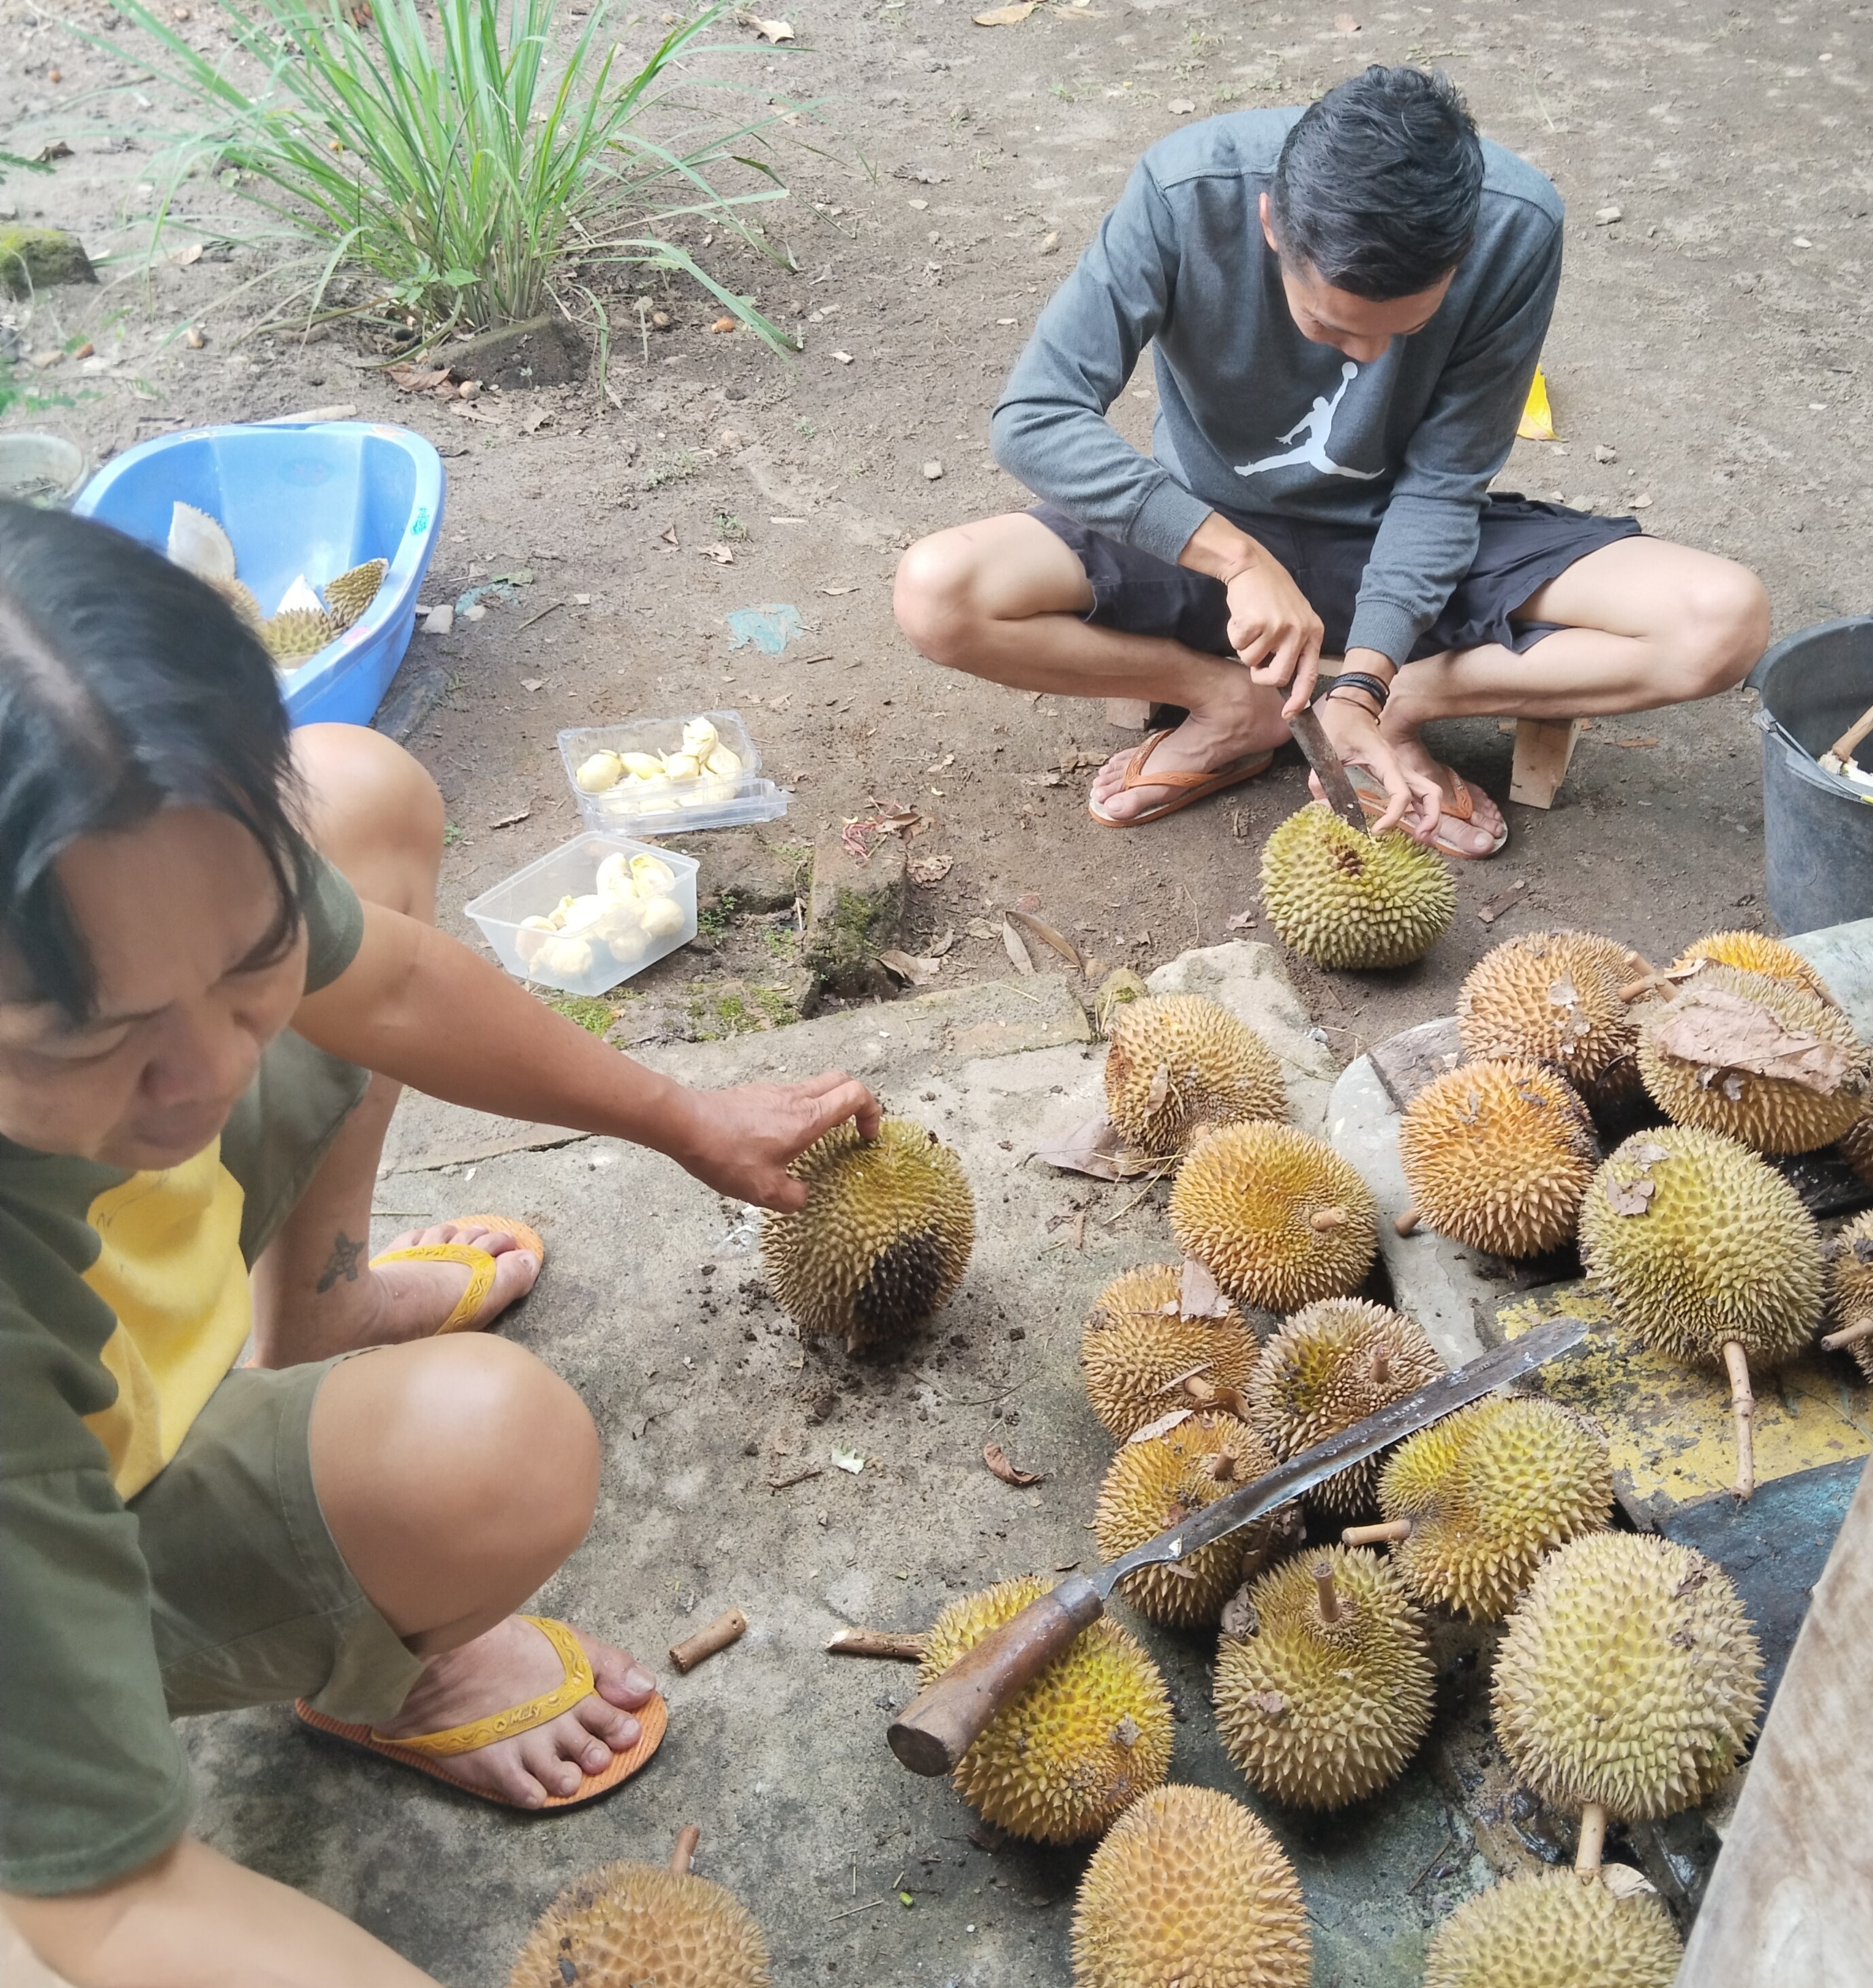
(1204, 742)
(413, 1299)
(511, 1664)
(1475, 837)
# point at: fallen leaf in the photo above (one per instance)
(1162, 1426)
(509, 820)
(839, 589)
(1631, 1197)
(417, 379)
(1158, 1089)
(1719, 1031)
(1097, 1147)
(939, 948)
(668, 535)
(944, 764)
(907, 967)
(1538, 421)
(1242, 921)
(463, 412)
(981, 929)
(929, 870)
(535, 419)
(770, 31)
(183, 257)
(997, 1459)
(1006, 17)
(1039, 928)
(848, 1459)
(719, 552)
(1016, 952)
(1645, 739)
(1503, 901)
(1199, 1295)
(56, 149)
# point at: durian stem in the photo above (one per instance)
(1382, 1367)
(1222, 1467)
(1323, 1221)
(1849, 1335)
(1648, 983)
(1392, 1532)
(877, 1643)
(1329, 1598)
(687, 1837)
(1742, 1407)
(1407, 1223)
(1593, 1841)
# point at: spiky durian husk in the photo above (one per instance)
(1157, 1481)
(1856, 1144)
(1242, 1204)
(1627, 1675)
(1090, 1735)
(1489, 1492)
(1178, 1061)
(1550, 1930)
(300, 633)
(240, 596)
(1754, 952)
(1717, 1247)
(1497, 1155)
(1850, 1284)
(628, 1924)
(1190, 1888)
(1319, 1714)
(1317, 1376)
(1553, 998)
(1136, 1342)
(883, 1239)
(1774, 1114)
(348, 595)
(1343, 899)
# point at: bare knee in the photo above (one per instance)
(373, 810)
(934, 595)
(1722, 627)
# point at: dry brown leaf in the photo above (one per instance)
(463, 412)
(928, 870)
(1039, 928)
(907, 967)
(770, 31)
(1016, 952)
(939, 948)
(1199, 1296)
(1721, 1031)
(997, 1459)
(1161, 1426)
(184, 257)
(1631, 1197)
(1503, 901)
(417, 379)
(719, 552)
(1242, 921)
(1006, 17)
(981, 929)
(1097, 1147)
(1158, 1089)
(511, 821)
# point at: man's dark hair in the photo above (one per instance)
(1379, 184)
(127, 685)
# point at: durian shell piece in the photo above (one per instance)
(1090, 1735)
(1315, 1377)
(1496, 1156)
(1856, 1144)
(1489, 1492)
(1157, 1481)
(240, 598)
(884, 1238)
(300, 598)
(1320, 1714)
(1131, 1347)
(1179, 1061)
(1189, 1887)
(1850, 1284)
(625, 1925)
(1553, 998)
(1345, 900)
(1724, 1249)
(199, 545)
(1755, 953)
(1243, 1203)
(354, 590)
(1550, 1930)
(1773, 1115)
(298, 633)
(1627, 1675)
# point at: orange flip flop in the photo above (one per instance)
(1461, 806)
(429, 1753)
(1187, 787)
(481, 1264)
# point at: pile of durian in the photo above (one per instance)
(630, 906)
(703, 769)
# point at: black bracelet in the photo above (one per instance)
(1359, 680)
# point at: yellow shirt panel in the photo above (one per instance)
(170, 1269)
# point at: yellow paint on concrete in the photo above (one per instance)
(1670, 1425)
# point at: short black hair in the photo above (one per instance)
(1379, 184)
(127, 685)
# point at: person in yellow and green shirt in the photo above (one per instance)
(218, 964)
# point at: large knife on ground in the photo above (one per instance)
(939, 1725)
(1311, 735)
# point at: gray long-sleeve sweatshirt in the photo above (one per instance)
(1254, 418)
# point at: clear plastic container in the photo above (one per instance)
(606, 938)
(710, 800)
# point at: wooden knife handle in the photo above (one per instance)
(943, 1721)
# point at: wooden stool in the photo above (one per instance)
(1543, 748)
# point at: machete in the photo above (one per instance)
(1310, 734)
(939, 1725)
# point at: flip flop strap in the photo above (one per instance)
(578, 1683)
(1136, 776)
(481, 1266)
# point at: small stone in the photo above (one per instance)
(193, 339)
(1639, 503)
(1607, 215)
(1602, 453)
(439, 621)
(1050, 242)
(474, 613)
(1180, 106)
(729, 438)
(932, 470)
(842, 358)
(661, 320)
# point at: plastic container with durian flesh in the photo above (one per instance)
(665, 776)
(598, 909)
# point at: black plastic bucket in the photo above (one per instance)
(1817, 828)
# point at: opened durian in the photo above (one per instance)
(1141, 1353)
(1090, 1735)
(883, 1239)
(626, 1925)
(1549, 1930)
(1180, 1061)
(1324, 1680)
(1754, 952)
(1343, 899)
(1276, 1216)
(1189, 1890)
(1707, 1252)
(1487, 1493)
(1627, 1682)
(1155, 1481)
(1849, 1292)
(1330, 1365)
(200, 544)
(353, 591)
(297, 632)
(1756, 1058)
(1552, 998)
(1497, 1155)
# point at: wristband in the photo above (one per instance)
(1357, 680)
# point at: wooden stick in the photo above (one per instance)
(725, 1630)
(1407, 1223)
(1842, 749)
(1388, 1534)
(1849, 1335)
(1323, 1221)
(877, 1643)
(1742, 1407)
(1593, 1841)
(687, 1837)
(1329, 1599)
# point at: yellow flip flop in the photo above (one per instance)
(430, 1752)
(479, 1263)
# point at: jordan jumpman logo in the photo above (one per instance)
(1316, 426)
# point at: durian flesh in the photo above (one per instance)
(1180, 1061)
(1550, 1930)
(701, 770)
(1136, 1348)
(625, 1925)
(1343, 899)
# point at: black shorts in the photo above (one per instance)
(1523, 545)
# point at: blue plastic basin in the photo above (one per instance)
(315, 500)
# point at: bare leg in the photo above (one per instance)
(375, 814)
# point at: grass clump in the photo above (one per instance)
(592, 1012)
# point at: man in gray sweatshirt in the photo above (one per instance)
(1345, 306)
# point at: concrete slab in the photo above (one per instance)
(1843, 956)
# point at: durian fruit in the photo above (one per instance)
(1487, 1493)
(1178, 1061)
(883, 1239)
(1723, 1009)
(1140, 1352)
(1550, 1930)
(1332, 1364)
(240, 596)
(1707, 1252)
(1190, 1891)
(1754, 952)
(1156, 1482)
(1497, 1155)
(1627, 1682)
(1343, 899)
(1856, 1144)
(353, 590)
(297, 634)
(625, 1925)
(1326, 1694)
(1553, 998)
(1278, 1217)
(1089, 1735)
(1849, 1292)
